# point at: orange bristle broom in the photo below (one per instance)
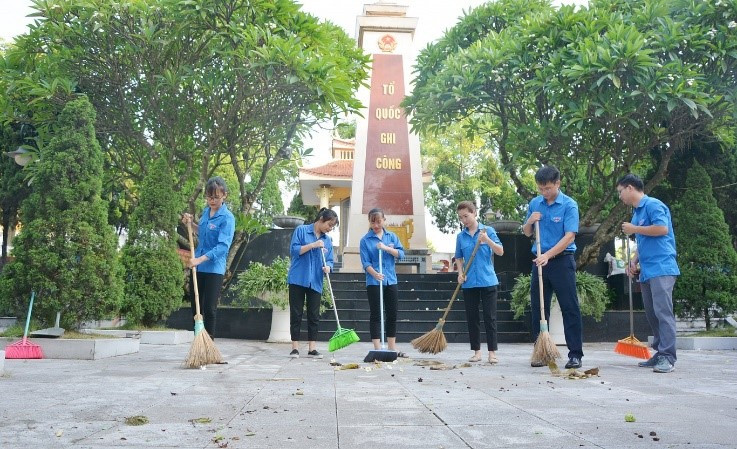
(631, 346)
(24, 349)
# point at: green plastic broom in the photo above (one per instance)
(342, 337)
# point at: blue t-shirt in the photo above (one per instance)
(370, 256)
(657, 255)
(557, 218)
(215, 235)
(481, 272)
(306, 269)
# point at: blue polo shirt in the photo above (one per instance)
(657, 255)
(557, 218)
(481, 272)
(306, 269)
(370, 256)
(215, 234)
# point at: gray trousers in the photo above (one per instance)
(657, 296)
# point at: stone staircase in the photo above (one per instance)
(422, 299)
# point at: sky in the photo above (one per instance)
(435, 16)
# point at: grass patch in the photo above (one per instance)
(14, 331)
(719, 332)
(74, 335)
(137, 327)
(17, 332)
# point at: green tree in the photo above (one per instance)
(299, 209)
(465, 168)
(596, 91)
(707, 286)
(213, 83)
(154, 276)
(13, 189)
(67, 251)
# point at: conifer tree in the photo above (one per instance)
(154, 276)
(707, 286)
(66, 251)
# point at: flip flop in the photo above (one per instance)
(493, 360)
(402, 355)
(475, 358)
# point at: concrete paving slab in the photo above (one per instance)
(2, 362)
(508, 405)
(83, 349)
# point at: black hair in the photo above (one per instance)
(632, 180)
(214, 185)
(374, 212)
(326, 214)
(546, 175)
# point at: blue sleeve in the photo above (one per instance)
(570, 223)
(225, 238)
(494, 237)
(657, 214)
(398, 246)
(329, 256)
(297, 242)
(459, 253)
(364, 251)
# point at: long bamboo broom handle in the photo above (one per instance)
(194, 270)
(629, 288)
(540, 274)
(465, 271)
(330, 288)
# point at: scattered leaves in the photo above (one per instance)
(137, 420)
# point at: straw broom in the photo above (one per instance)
(631, 346)
(545, 350)
(434, 341)
(203, 350)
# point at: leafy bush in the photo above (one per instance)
(269, 283)
(67, 251)
(593, 295)
(154, 275)
(707, 287)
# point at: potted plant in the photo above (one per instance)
(267, 284)
(592, 298)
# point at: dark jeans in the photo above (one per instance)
(559, 276)
(471, 299)
(297, 297)
(391, 294)
(208, 286)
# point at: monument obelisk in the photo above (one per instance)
(387, 170)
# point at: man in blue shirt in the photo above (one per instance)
(656, 253)
(557, 214)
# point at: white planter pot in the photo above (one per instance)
(279, 326)
(555, 325)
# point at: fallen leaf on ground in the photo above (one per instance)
(592, 371)
(136, 420)
(203, 420)
(350, 366)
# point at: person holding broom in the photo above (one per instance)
(480, 283)
(557, 215)
(306, 273)
(379, 239)
(656, 253)
(215, 234)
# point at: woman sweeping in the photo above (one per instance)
(215, 234)
(379, 239)
(480, 282)
(306, 273)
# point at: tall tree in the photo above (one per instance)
(707, 287)
(67, 252)
(213, 82)
(595, 91)
(154, 276)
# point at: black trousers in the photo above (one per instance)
(559, 276)
(297, 297)
(471, 299)
(391, 294)
(208, 287)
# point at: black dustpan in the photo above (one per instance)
(383, 354)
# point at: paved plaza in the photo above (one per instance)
(264, 399)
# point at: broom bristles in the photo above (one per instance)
(342, 338)
(23, 349)
(631, 346)
(202, 352)
(432, 342)
(545, 350)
